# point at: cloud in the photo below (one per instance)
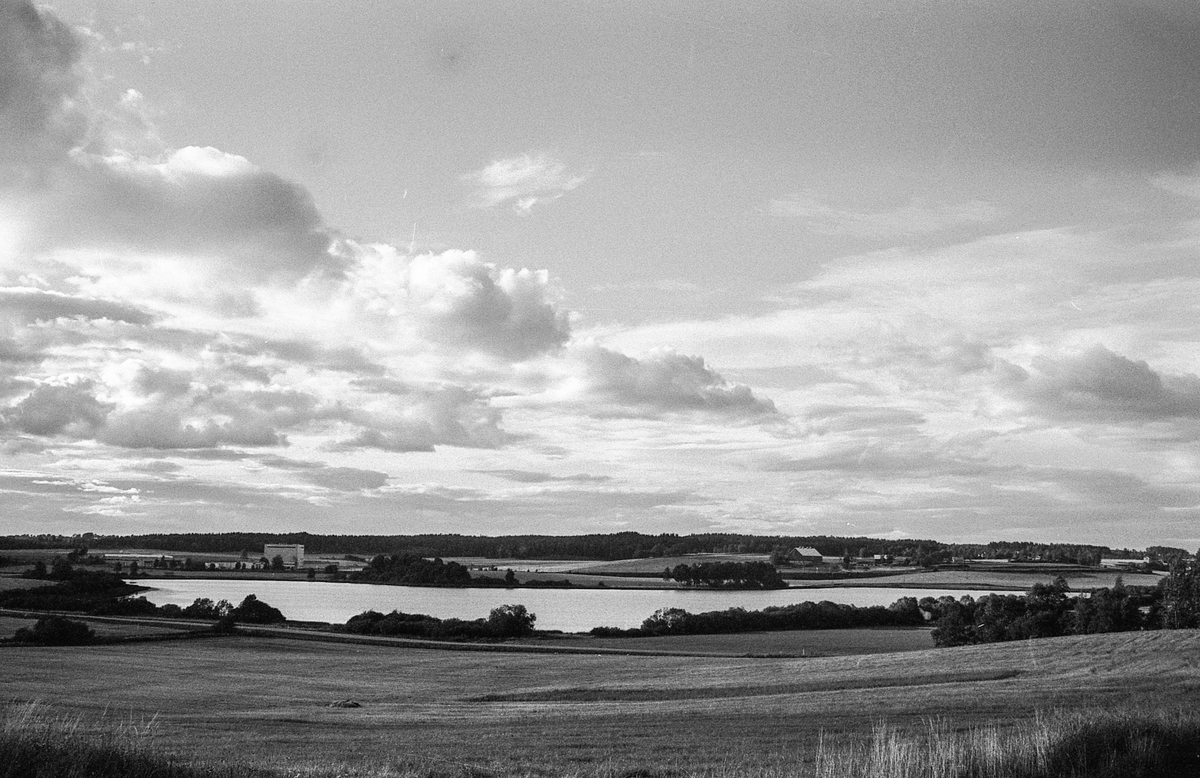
(916, 218)
(1102, 386)
(69, 409)
(40, 115)
(39, 305)
(345, 479)
(521, 182)
(611, 383)
(1184, 185)
(532, 477)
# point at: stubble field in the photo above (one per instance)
(448, 711)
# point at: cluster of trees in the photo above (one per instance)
(55, 631)
(506, 621)
(804, 615)
(101, 593)
(1047, 611)
(418, 571)
(727, 575)
(410, 569)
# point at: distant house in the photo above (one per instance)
(143, 560)
(1124, 563)
(291, 554)
(804, 555)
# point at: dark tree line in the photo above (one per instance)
(801, 616)
(728, 575)
(506, 621)
(1047, 611)
(414, 570)
(620, 545)
(100, 593)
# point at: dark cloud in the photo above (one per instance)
(39, 305)
(165, 426)
(345, 479)
(532, 477)
(40, 118)
(59, 409)
(1100, 385)
(845, 418)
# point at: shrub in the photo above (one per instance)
(56, 631)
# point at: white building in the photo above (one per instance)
(292, 555)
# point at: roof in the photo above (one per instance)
(806, 551)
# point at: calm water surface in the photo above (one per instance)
(569, 610)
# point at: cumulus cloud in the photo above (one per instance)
(1100, 385)
(915, 218)
(522, 182)
(608, 383)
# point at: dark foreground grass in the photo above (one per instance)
(1102, 743)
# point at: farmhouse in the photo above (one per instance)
(292, 555)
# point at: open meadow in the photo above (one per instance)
(452, 712)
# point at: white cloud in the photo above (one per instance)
(915, 218)
(522, 182)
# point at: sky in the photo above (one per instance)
(900, 268)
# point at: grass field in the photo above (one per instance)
(460, 713)
(814, 643)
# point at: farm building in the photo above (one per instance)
(292, 555)
(1125, 562)
(804, 555)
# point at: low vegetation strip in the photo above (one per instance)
(612, 694)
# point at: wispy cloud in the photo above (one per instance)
(522, 182)
(915, 218)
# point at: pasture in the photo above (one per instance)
(449, 712)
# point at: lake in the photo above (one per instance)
(569, 610)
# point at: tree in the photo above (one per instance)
(254, 611)
(1181, 596)
(510, 578)
(511, 621)
(277, 563)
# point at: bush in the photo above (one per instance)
(254, 611)
(56, 631)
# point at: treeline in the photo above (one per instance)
(728, 575)
(97, 593)
(419, 571)
(506, 621)
(1047, 611)
(621, 545)
(801, 616)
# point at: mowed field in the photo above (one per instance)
(268, 700)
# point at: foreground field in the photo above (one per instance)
(446, 712)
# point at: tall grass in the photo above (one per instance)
(37, 743)
(1137, 743)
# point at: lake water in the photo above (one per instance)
(569, 610)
